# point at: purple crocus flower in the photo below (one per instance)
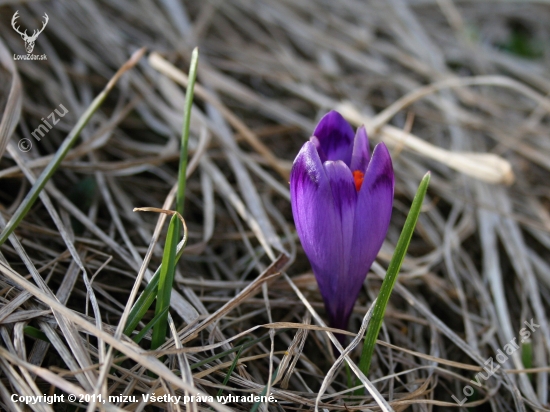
(341, 202)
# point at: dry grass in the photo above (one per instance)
(456, 87)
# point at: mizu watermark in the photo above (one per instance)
(490, 368)
(26, 144)
(29, 40)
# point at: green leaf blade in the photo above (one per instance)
(169, 258)
(391, 275)
(166, 280)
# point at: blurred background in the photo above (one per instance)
(456, 87)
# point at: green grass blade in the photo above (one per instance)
(35, 333)
(152, 323)
(147, 297)
(527, 356)
(166, 280)
(166, 277)
(231, 369)
(143, 332)
(182, 180)
(264, 391)
(391, 276)
(69, 141)
(235, 349)
(143, 303)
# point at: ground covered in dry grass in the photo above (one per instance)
(452, 86)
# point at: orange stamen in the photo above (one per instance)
(358, 177)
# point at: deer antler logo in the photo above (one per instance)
(29, 40)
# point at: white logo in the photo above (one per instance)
(29, 40)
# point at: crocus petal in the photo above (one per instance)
(372, 218)
(331, 284)
(317, 221)
(335, 137)
(360, 156)
(323, 199)
(320, 151)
